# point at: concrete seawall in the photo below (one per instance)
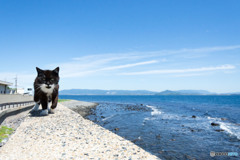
(67, 135)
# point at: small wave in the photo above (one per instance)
(155, 111)
(216, 119)
(107, 118)
(231, 128)
(147, 119)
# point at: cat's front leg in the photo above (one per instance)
(44, 104)
(35, 108)
(54, 104)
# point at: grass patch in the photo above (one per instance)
(63, 100)
(4, 132)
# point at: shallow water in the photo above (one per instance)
(164, 125)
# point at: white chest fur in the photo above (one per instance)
(49, 91)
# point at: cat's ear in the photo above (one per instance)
(39, 71)
(56, 70)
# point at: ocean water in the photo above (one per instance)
(166, 127)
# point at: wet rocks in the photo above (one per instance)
(215, 124)
(158, 136)
(194, 116)
(116, 129)
(219, 130)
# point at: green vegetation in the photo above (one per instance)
(4, 132)
(63, 100)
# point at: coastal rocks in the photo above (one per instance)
(116, 129)
(82, 108)
(158, 136)
(219, 130)
(194, 116)
(137, 108)
(215, 124)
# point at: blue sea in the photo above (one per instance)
(172, 127)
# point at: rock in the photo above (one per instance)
(102, 117)
(215, 124)
(135, 140)
(219, 130)
(116, 129)
(194, 116)
(158, 136)
(223, 119)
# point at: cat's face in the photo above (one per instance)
(47, 79)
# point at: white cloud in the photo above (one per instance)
(74, 73)
(92, 64)
(160, 53)
(172, 71)
(128, 65)
(120, 62)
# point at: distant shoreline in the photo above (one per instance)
(149, 95)
(140, 92)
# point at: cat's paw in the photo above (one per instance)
(51, 111)
(35, 108)
(44, 112)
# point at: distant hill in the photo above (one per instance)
(168, 92)
(104, 92)
(185, 92)
(138, 92)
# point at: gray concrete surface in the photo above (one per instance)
(7, 98)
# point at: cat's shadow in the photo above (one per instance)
(35, 113)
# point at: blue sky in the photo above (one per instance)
(121, 44)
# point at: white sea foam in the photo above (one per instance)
(216, 119)
(231, 128)
(108, 118)
(147, 119)
(155, 111)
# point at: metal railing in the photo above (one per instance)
(14, 104)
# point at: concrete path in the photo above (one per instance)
(7, 98)
(67, 135)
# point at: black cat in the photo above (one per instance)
(46, 90)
